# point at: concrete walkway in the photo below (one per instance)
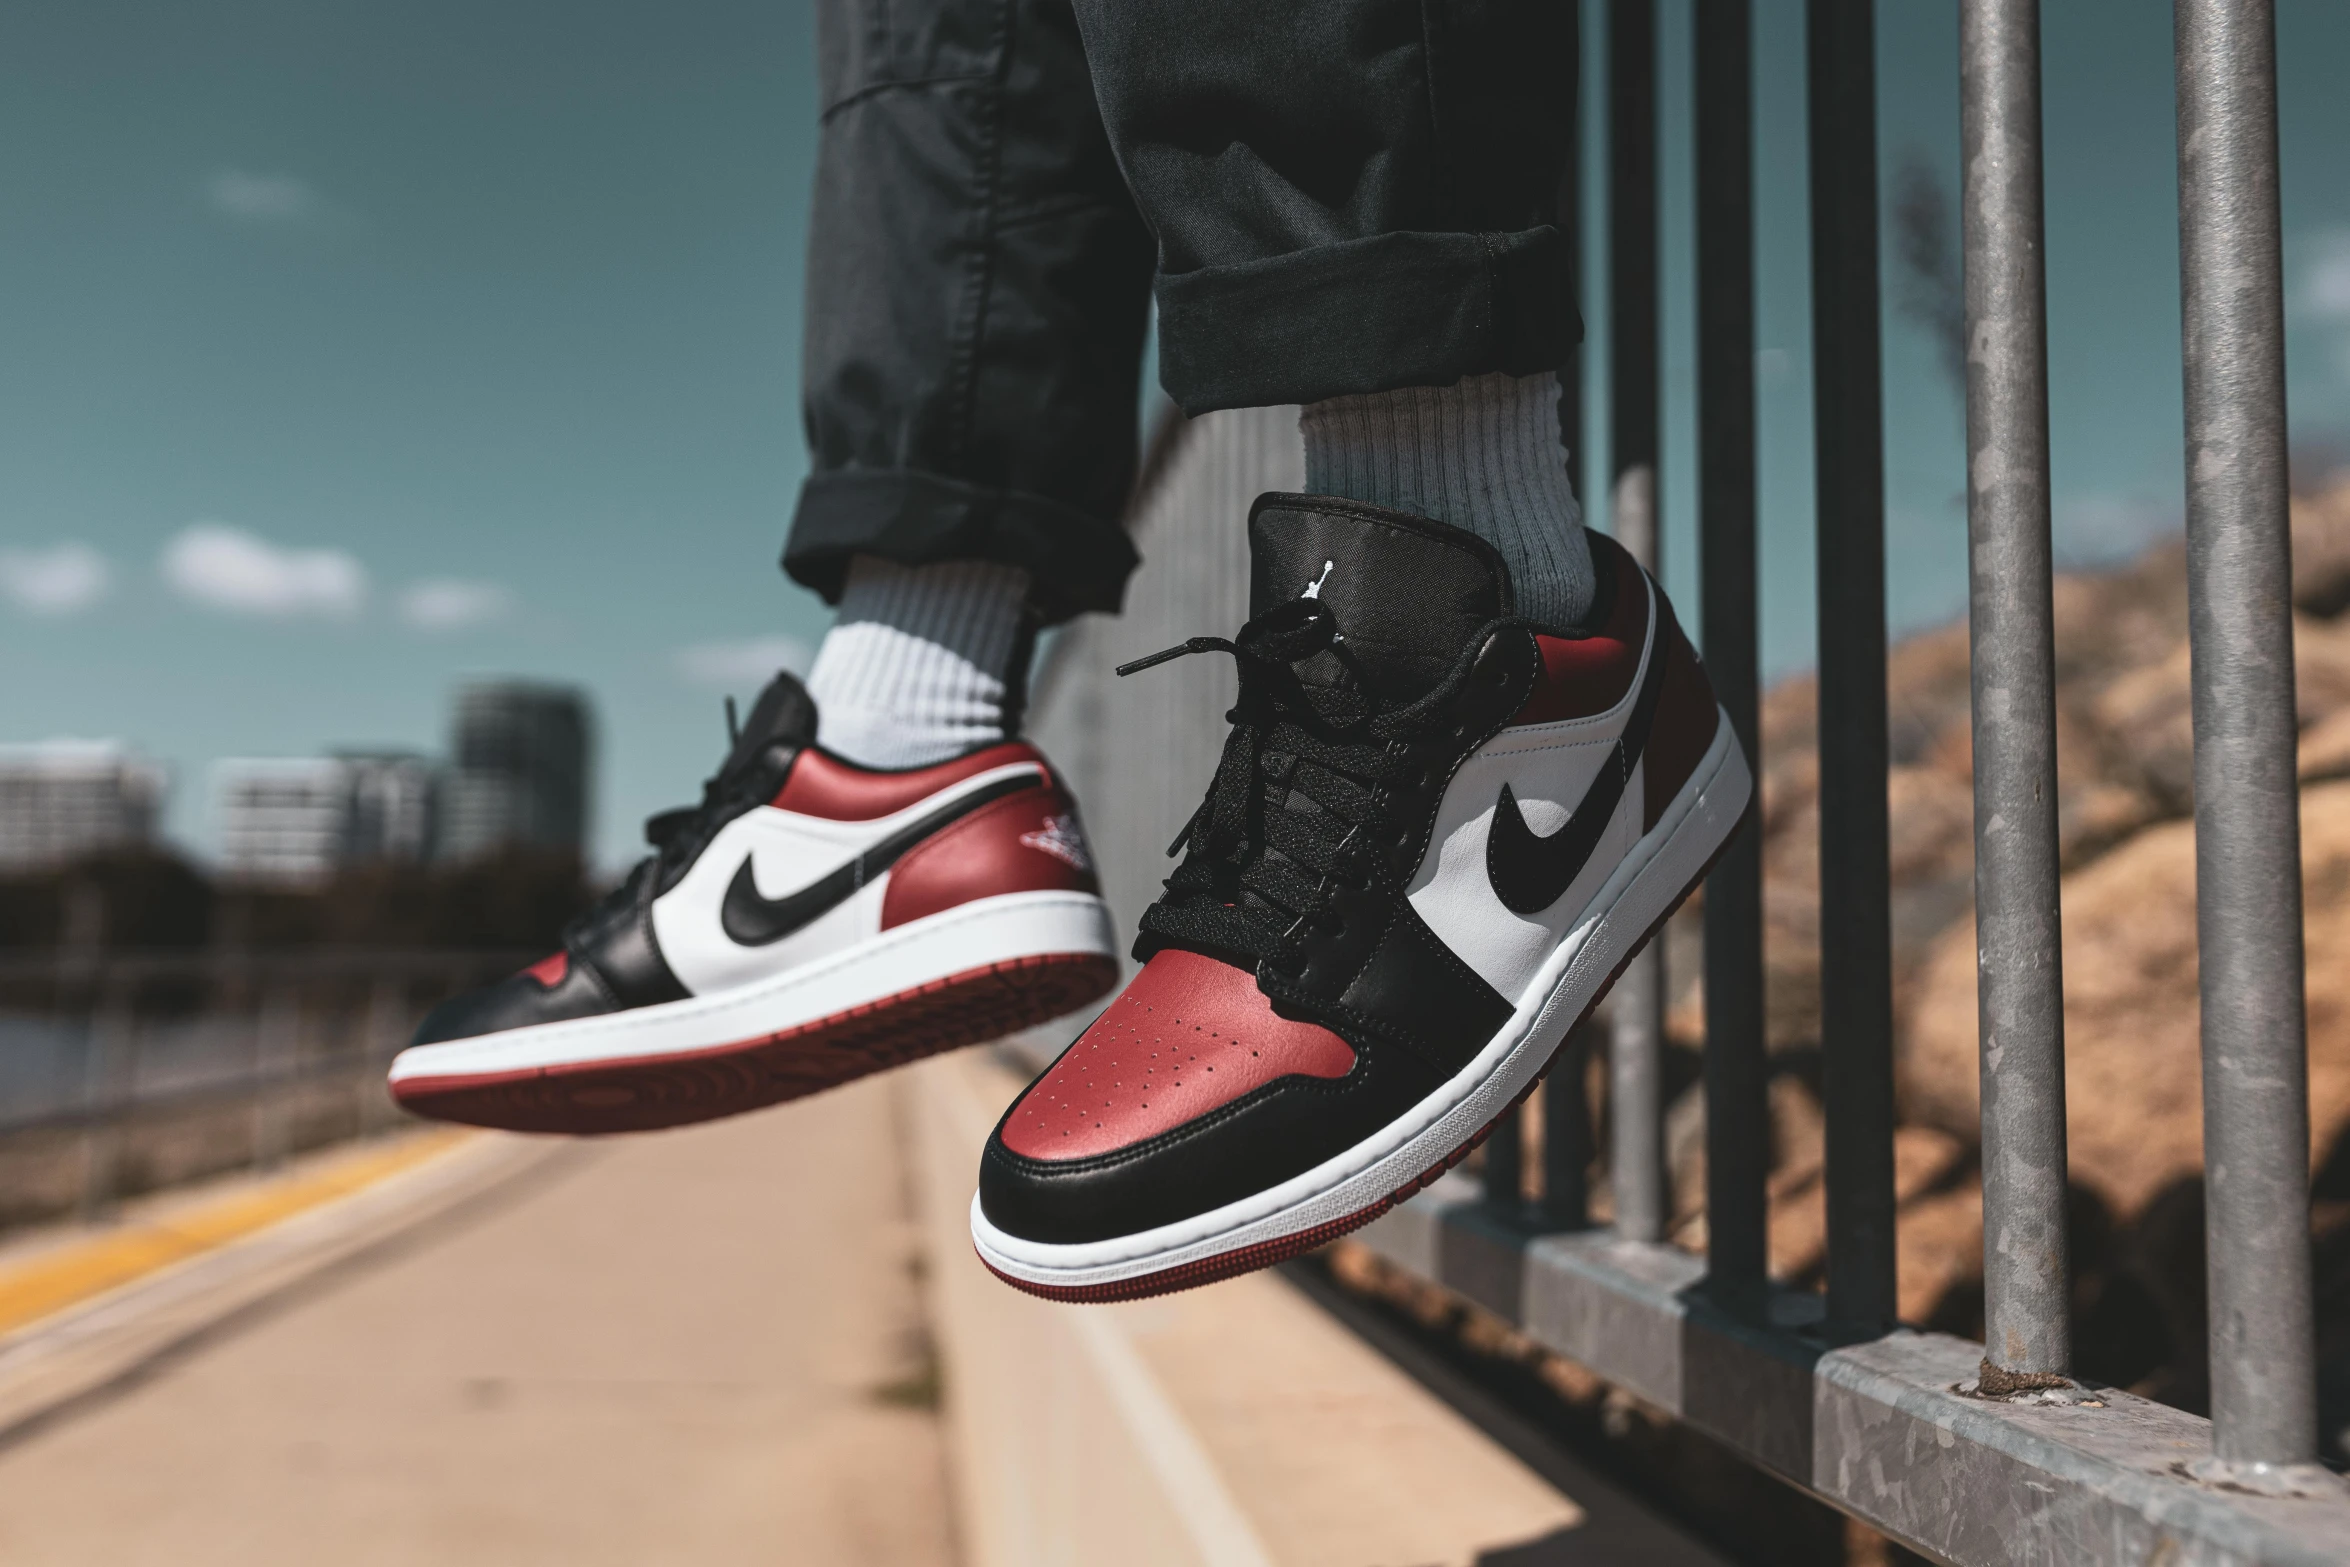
(700, 1347)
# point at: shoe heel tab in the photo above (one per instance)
(830, 786)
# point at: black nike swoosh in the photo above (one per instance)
(1530, 873)
(752, 920)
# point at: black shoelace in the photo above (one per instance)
(678, 835)
(1301, 804)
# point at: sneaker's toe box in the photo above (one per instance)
(552, 990)
(1188, 1093)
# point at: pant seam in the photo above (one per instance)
(1438, 154)
(980, 278)
(858, 95)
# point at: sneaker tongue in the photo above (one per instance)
(1407, 593)
(784, 715)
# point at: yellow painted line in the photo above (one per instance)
(78, 1270)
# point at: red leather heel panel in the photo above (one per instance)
(1025, 842)
(1687, 716)
(826, 786)
(1586, 676)
(1188, 1036)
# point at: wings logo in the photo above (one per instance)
(1060, 838)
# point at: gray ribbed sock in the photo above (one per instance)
(1482, 454)
(917, 667)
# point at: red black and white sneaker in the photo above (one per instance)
(810, 922)
(1437, 834)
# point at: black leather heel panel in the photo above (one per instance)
(1406, 592)
(1282, 1130)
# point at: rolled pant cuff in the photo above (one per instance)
(1075, 562)
(1366, 315)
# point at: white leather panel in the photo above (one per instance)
(1547, 767)
(787, 851)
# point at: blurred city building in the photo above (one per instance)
(519, 770)
(395, 806)
(298, 819)
(63, 799)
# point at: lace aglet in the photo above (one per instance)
(1190, 645)
(734, 730)
(1153, 661)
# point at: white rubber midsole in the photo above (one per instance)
(954, 941)
(1660, 868)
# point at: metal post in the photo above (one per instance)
(2019, 971)
(1636, 1053)
(1505, 1162)
(1636, 1048)
(2247, 827)
(274, 1053)
(1566, 1136)
(1570, 226)
(1566, 1066)
(1856, 947)
(380, 1036)
(108, 1076)
(1737, 1122)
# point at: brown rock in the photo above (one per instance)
(2133, 1082)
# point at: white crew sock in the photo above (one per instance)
(1482, 454)
(917, 667)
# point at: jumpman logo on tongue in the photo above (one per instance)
(1314, 588)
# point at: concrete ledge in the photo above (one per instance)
(1876, 1429)
(121, 1299)
(1235, 1425)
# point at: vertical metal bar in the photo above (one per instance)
(1556, 1200)
(1636, 1053)
(1505, 1163)
(1570, 224)
(1636, 1110)
(1566, 1135)
(108, 1075)
(274, 1053)
(2019, 972)
(1737, 1123)
(1856, 949)
(2247, 826)
(381, 1033)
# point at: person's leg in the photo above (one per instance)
(977, 290)
(884, 871)
(1474, 764)
(1355, 203)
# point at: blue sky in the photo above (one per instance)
(349, 350)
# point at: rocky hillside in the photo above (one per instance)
(2125, 803)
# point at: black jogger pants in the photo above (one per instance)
(1325, 196)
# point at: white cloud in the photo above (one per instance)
(268, 198)
(452, 604)
(746, 664)
(229, 569)
(59, 580)
(2325, 281)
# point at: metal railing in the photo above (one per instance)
(1975, 1453)
(193, 1063)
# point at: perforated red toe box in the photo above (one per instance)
(1188, 1036)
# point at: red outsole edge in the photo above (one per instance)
(646, 1093)
(1264, 1254)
